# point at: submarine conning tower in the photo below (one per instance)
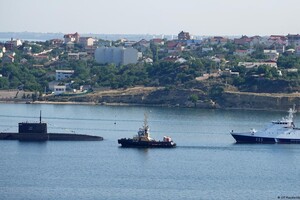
(33, 127)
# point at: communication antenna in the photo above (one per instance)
(40, 116)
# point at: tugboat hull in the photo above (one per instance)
(145, 144)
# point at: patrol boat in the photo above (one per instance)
(143, 139)
(280, 131)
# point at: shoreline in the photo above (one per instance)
(176, 98)
(136, 104)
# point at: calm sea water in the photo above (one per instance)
(207, 164)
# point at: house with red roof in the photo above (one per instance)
(244, 40)
(217, 40)
(174, 46)
(157, 41)
(71, 38)
(184, 36)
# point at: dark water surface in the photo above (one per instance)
(207, 164)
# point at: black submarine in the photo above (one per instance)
(37, 131)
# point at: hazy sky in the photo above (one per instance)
(199, 17)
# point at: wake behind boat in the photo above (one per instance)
(281, 131)
(143, 139)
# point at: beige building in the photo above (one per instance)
(86, 41)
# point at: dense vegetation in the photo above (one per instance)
(28, 76)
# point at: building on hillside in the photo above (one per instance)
(293, 40)
(104, 43)
(2, 50)
(56, 42)
(207, 49)
(78, 56)
(244, 40)
(256, 40)
(184, 36)
(271, 54)
(217, 40)
(250, 65)
(277, 40)
(174, 46)
(148, 60)
(157, 41)
(86, 41)
(71, 38)
(142, 45)
(11, 44)
(63, 74)
(193, 44)
(242, 53)
(59, 89)
(292, 70)
(228, 72)
(129, 43)
(116, 55)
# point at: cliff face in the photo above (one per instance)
(145, 96)
(182, 98)
(262, 101)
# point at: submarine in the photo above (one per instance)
(37, 131)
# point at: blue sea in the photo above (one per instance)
(207, 164)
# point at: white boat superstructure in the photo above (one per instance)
(281, 131)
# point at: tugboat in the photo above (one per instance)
(37, 131)
(281, 131)
(143, 139)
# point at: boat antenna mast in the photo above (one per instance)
(146, 127)
(40, 116)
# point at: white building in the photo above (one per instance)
(116, 55)
(59, 89)
(206, 49)
(271, 54)
(77, 56)
(242, 53)
(63, 74)
(250, 65)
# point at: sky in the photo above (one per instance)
(169, 17)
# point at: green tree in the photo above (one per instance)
(194, 98)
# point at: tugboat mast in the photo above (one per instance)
(146, 127)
